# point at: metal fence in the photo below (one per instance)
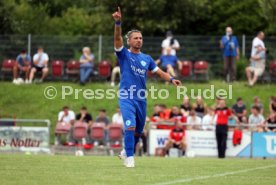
(67, 47)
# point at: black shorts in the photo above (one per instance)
(176, 146)
(38, 69)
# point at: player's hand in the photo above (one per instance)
(117, 16)
(176, 82)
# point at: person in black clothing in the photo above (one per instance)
(271, 121)
(85, 117)
(200, 107)
(186, 106)
(272, 105)
(239, 109)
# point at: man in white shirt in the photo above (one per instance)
(117, 118)
(257, 60)
(256, 120)
(170, 42)
(66, 117)
(209, 120)
(40, 63)
(193, 121)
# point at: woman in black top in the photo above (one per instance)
(186, 106)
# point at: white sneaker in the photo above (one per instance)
(130, 162)
(15, 81)
(112, 84)
(123, 157)
(27, 81)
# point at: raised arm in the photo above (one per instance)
(118, 40)
(168, 77)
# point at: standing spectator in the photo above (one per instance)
(84, 116)
(115, 71)
(239, 109)
(171, 42)
(256, 119)
(200, 107)
(117, 118)
(157, 111)
(186, 106)
(169, 62)
(257, 102)
(177, 138)
(193, 121)
(87, 64)
(66, 117)
(175, 114)
(223, 113)
(102, 118)
(23, 65)
(209, 120)
(230, 47)
(257, 60)
(272, 105)
(40, 64)
(271, 121)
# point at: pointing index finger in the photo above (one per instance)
(119, 10)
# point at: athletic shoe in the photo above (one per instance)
(112, 84)
(130, 162)
(123, 157)
(15, 81)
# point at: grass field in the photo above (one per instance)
(28, 101)
(70, 170)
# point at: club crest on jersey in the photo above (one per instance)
(143, 63)
(128, 122)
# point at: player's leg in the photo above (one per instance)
(141, 109)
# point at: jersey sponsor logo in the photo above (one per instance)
(138, 70)
(143, 63)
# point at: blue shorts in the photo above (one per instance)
(134, 114)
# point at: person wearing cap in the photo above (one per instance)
(23, 65)
(170, 42)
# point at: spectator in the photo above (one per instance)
(177, 138)
(102, 118)
(84, 116)
(257, 60)
(257, 102)
(67, 117)
(169, 62)
(209, 120)
(256, 119)
(87, 65)
(223, 113)
(23, 65)
(171, 42)
(272, 105)
(157, 113)
(117, 118)
(239, 109)
(193, 121)
(216, 104)
(271, 121)
(230, 47)
(40, 64)
(186, 106)
(115, 71)
(200, 107)
(175, 114)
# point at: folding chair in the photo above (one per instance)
(186, 71)
(57, 69)
(115, 135)
(272, 70)
(97, 132)
(80, 130)
(104, 68)
(201, 70)
(73, 69)
(7, 67)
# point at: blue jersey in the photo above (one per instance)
(230, 46)
(20, 59)
(168, 59)
(133, 69)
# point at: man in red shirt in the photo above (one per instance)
(222, 113)
(176, 138)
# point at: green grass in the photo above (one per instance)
(28, 101)
(70, 170)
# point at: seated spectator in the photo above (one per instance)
(169, 62)
(23, 65)
(186, 106)
(193, 121)
(66, 116)
(200, 107)
(165, 112)
(157, 111)
(271, 121)
(177, 138)
(257, 102)
(256, 119)
(239, 109)
(102, 118)
(117, 118)
(272, 105)
(176, 115)
(114, 73)
(40, 64)
(209, 120)
(86, 66)
(84, 116)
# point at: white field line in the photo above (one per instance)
(213, 176)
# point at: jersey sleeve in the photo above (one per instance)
(152, 66)
(120, 52)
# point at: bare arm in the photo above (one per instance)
(167, 77)
(118, 40)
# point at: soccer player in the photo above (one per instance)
(133, 67)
